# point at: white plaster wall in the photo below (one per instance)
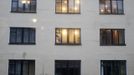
(45, 52)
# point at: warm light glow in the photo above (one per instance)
(65, 2)
(76, 8)
(28, 2)
(108, 10)
(115, 32)
(64, 32)
(34, 20)
(106, 6)
(64, 9)
(76, 32)
(102, 10)
(77, 1)
(23, 1)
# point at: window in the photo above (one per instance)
(111, 7)
(21, 67)
(67, 36)
(113, 67)
(68, 6)
(20, 35)
(67, 67)
(112, 37)
(24, 6)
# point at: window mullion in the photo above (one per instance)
(61, 35)
(29, 5)
(111, 6)
(68, 7)
(15, 67)
(74, 6)
(74, 36)
(68, 36)
(28, 67)
(17, 5)
(22, 36)
(61, 5)
(112, 40)
(22, 64)
(29, 31)
(15, 35)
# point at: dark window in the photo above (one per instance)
(67, 67)
(111, 7)
(67, 6)
(22, 35)
(67, 36)
(24, 6)
(112, 37)
(21, 67)
(113, 67)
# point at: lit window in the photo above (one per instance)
(112, 37)
(68, 36)
(21, 67)
(24, 6)
(111, 7)
(19, 35)
(68, 6)
(113, 67)
(67, 67)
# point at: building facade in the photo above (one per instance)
(66, 37)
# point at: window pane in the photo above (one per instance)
(26, 36)
(64, 35)
(120, 7)
(11, 68)
(64, 6)
(121, 37)
(115, 37)
(71, 6)
(18, 68)
(14, 6)
(77, 36)
(31, 68)
(106, 37)
(25, 67)
(12, 35)
(58, 7)
(58, 35)
(32, 36)
(108, 6)
(114, 7)
(102, 6)
(19, 36)
(71, 36)
(77, 6)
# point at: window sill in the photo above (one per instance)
(111, 14)
(68, 44)
(22, 12)
(114, 45)
(22, 43)
(67, 13)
